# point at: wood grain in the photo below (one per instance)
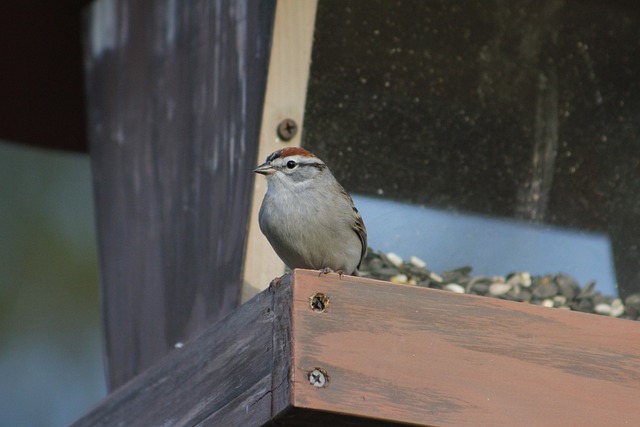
(222, 378)
(414, 355)
(395, 355)
(285, 98)
(175, 92)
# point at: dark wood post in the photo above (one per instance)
(175, 94)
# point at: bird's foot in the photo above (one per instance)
(327, 270)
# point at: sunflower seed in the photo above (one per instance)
(497, 289)
(395, 259)
(454, 287)
(602, 308)
(417, 262)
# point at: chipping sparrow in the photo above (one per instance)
(309, 219)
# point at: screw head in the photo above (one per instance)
(318, 377)
(287, 130)
(319, 302)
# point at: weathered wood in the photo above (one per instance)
(175, 93)
(395, 355)
(415, 355)
(222, 378)
(281, 385)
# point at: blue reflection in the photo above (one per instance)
(447, 240)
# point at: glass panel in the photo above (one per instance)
(504, 134)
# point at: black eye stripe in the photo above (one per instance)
(292, 164)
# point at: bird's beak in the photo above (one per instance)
(264, 169)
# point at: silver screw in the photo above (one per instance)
(318, 378)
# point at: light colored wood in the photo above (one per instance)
(285, 98)
(414, 355)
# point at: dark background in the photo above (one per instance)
(526, 110)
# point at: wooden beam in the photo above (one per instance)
(175, 93)
(415, 355)
(390, 355)
(225, 375)
(285, 99)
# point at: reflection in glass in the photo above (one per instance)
(496, 246)
(525, 111)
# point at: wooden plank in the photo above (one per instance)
(395, 355)
(175, 94)
(413, 355)
(285, 98)
(282, 374)
(237, 373)
(222, 378)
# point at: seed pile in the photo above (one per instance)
(559, 290)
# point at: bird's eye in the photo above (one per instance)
(291, 164)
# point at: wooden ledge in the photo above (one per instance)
(381, 354)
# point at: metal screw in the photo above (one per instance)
(318, 378)
(287, 130)
(319, 302)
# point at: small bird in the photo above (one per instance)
(308, 218)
